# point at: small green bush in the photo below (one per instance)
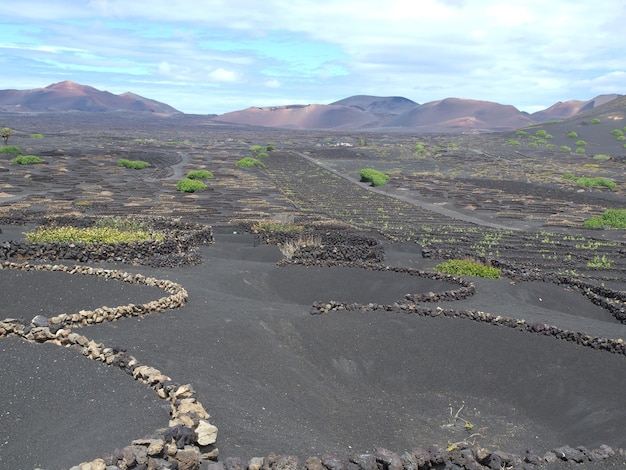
(601, 156)
(188, 185)
(270, 147)
(463, 267)
(611, 218)
(566, 148)
(541, 133)
(375, 177)
(11, 150)
(200, 175)
(133, 164)
(595, 121)
(621, 138)
(256, 148)
(521, 133)
(263, 154)
(513, 142)
(26, 160)
(36, 136)
(580, 143)
(616, 132)
(572, 134)
(597, 182)
(249, 161)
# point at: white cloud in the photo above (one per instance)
(227, 76)
(520, 53)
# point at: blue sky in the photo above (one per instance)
(216, 56)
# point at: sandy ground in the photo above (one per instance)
(277, 379)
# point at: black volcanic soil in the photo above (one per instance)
(275, 378)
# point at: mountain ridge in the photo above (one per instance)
(357, 112)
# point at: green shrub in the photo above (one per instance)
(256, 148)
(200, 175)
(249, 161)
(463, 267)
(36, 136)
(599, 182)
(188, 185)
(26, 160)
(595, 121)
(580, 143)
(521, 133)
(420, 148)
(270, 147)
(133, 164)
(550, 146)
(621, 138)
(617, 132)
(513, 142)
(263, 155)
(580, 150)
(541, 133)
(601, 156)
(375, 177)
(572, 134)
(11, 150)
(548, 136)
(569, 176)
(566, 148)
(611, 218)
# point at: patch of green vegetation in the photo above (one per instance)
(541, 133)
(133, 164)
(420, 148)
(27, 160)
(611, 218)
(271, 146)
(36, 136)
(580, 150)
(11, 150)
(256, 149)
(249, 161)
(263, 155)
(375, 177)
(464, 267)
(587, 182)
(513, 142)
(621, 138)
(599, 262)
(617, 132)
(521, 133)
(200, 175)
(601, 156)
(566, 148)
(276, 226)
(188, 185)
(595, 121)
(114, 230)
(581, 143)
(572, 134)
(550, 146)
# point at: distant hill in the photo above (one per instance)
(461, 115)
(565, 109)
(69, 96)
(313, 116)
(450, 115)
(390, 105)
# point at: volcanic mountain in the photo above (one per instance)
(565, 109)
(70, 96)
(312, 116)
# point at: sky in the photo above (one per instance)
(217, 56)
